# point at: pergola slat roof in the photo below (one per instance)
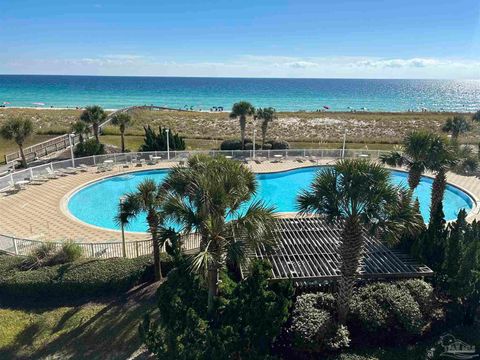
(307, 250)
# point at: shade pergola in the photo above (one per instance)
(307, 252)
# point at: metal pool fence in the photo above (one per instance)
(18, 246)
(10, 179)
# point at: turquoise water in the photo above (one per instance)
(114, 92)
(97, 204)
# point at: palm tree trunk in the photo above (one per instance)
(152, 224)
(414, 177)
(22, 155)
(212, 279)
(95, 132)
(438, 190)
(243, 123)
(264, 132)
(122, 135)
(351, 251)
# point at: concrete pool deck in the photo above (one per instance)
(39, 212)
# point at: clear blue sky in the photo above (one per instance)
(334, 38)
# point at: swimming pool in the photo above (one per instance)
(97, 203)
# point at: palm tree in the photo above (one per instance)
(414, 155)
(442, 157)
(359, 195)
(81, 128)
(267, 115)
(241, 110)
(476, 116)
(94, 116)
(147, 198)
(211, 196)
(456, 126)
(122, 120)
(18, 130)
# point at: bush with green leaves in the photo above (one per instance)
(387, 311)
(247, 317)
(158, 142)
(85, 278)
(279, 144)
(48, 254)
(313, 324)
(89, 147)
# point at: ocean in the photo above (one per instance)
(113, 92)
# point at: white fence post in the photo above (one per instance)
(15, 246)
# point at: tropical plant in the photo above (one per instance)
(210, 196)
(456, 126)
(122, 120)
(94, 115)
(267, 115)
(359, 194)
(250, 317)
(89, 147)
(476, 116)
(442, 157)
(414, 154)
(147, 199)
(19, 130)
(241, 110)
(158, 142)
(81, 129)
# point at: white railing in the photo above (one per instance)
(18, 246)
(127, 158)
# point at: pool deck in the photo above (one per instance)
(40, 213)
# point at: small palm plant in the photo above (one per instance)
(359, 195)
(442, 158)
(456, 126)
(18, 130)
(81, 129)
(94, 116)
(211, 196)
(146, 199)
(241, 110)
(267, 115)
(414, 155)
(123, 121)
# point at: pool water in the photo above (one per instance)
(97, 203)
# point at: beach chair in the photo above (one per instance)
(101, 168)
(70, 170)
(38, 179)
(83, 167)
(51, 174)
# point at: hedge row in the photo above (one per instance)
(236, 144)
(87, 278)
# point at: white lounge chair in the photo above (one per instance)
(70, 170)
(51, 174)
(83, 167)
(38, 179)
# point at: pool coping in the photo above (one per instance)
(66, 198)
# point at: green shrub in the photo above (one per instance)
(313, 325)
(48, 254)
(392, 311)
(158, 142)
(89, 147)
(86, 278)
(234, 144)
(247, 317)
(279, 144)
(267, 146)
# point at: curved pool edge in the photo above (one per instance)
(475, 210)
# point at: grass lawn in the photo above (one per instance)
(90, 331)
(133, 142)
